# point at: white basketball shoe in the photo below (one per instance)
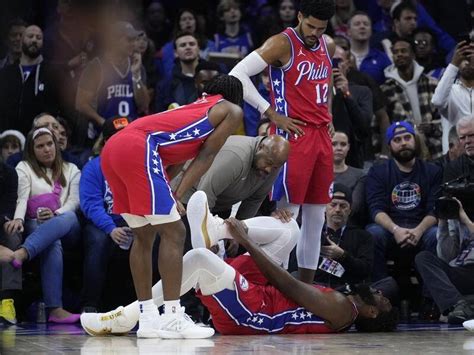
(180, 326)
(206, 229)
(110, 323)
(149, 325)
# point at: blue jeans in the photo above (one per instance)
(46, 241)
(384, 242)
(97, 250)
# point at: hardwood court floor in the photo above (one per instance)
(70, 339)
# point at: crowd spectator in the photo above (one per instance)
(11, 142)
(232, 38)
(448, 275)
(344, 11)
(157, 24)
(27, 89)
(45, 119)
(13, 41)
(454, 96)
(408, 93)
(463, 167)
(351, 177)
(455, 149)
(287, 12)
(103, 229)
(351, 109)
(48, 195)
(111, 84)
(10, 277)
(368, 60)
(180, 88)
(380, 121)
(400, 195)
(343, 245)
(186, 21)
(404, 23)
(146, 48)
(426, 53)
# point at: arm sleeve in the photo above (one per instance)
(249, 207)
(375, 192)
(360, 111)
(360, 264)
(91, 195)
(24, 189)
(10, 193)
(225, 169)
(72, 200)
(251, 65)
(440, 97)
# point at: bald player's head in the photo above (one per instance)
(32, 41)
(271, 154)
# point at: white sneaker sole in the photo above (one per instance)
(149, 333)
(197, 212)
(167, 334)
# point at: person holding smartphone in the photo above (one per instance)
(351, 109)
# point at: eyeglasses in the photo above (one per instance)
(423, 42)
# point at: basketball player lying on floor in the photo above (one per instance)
(253, 294)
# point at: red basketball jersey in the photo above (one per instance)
(300, 89)
(257, 307)
(178, 134)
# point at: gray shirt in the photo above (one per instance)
(232, 178)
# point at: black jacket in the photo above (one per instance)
(8, 191)
(358, 258)
(21, 101)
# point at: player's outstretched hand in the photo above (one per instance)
(237, 229)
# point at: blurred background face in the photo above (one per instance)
(423, 45)
(287, 11)
(340, 147)
(231, 15)
(187, 22)
(155, 14)
(50, 123)
(32, 41)
(45, 150)
(141, 43)
(10, 147)
(62, 138)
(126, 45)
(407, 23)
(403, 55)
(187, 49)
(14, 38)
(343, 4)
(466, 69)
(466, 137)
(360, 28)
(338, 210)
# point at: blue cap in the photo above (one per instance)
(400, 127)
